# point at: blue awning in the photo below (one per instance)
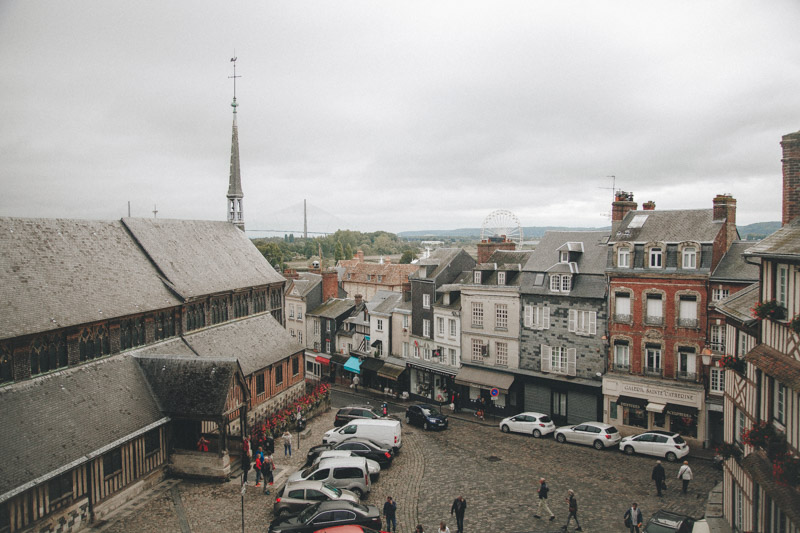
(353, 365)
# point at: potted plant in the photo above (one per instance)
(733, 363)
(728, 450)
(770, 309)
(786, 470)
(795, 324)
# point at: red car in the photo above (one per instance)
(348, 529)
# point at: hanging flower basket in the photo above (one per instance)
(733, 363)
(786, 470)
(771, 310)
(795, 324)
(728, 450)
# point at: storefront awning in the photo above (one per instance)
(338, 358)
(371, 364)
(674, 409)
(656, 407)
(631, 402)
(484, 379)
(390, 371)
(322, 360)
(353, 365)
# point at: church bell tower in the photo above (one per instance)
(235, 194)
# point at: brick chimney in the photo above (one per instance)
(488, 246)
(359, 299)
(725, 209)
(649, 206)
(330, 285)
(622, 204)
(290, 273)
(791, 176)
(407, 291)
(360, 256)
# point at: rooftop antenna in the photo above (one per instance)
(613, 193)
(155, 211)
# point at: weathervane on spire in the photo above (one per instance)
(233, 60)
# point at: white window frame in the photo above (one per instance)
(782, 285)
(453, 357)
(440, 326)
(501, 278)
(566, 283)
(327, 346)
(652, 310)
(716, 337)
(687, 308)
(624, 257)
(453, 327)
(717, 380)
(476, 277)
(689, 255)
(426, 353)
(582, 322)
(379, 324)
(299, 312)
(300, 336)
(501, 353)
(687, 358)
(291, 311)
(416, 351)
(622, 297)
(563, 256)
(555, 283)
(779, 403)
(558, 359)
(405, 321)
(622, 355)
(477, 314)
(719, 294)
(426, 327)
(655, 257)
(657, 355)
(426, 301)
(477, 351)
(501, 316)
(316, 326)
(405, 350)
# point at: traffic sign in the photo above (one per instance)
(495, 393)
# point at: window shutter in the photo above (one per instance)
(573, 319)
(546, 316)
(547, 356)
(592, 322)
(528, 316)
(571, 357)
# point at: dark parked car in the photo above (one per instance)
(362, 447)
(354, 412)
(427, 416)
(328, 514)
(667, 522)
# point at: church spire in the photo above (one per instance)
(235, 194)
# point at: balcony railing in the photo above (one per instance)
(652, 371)
(654, 320)
(687, 322)
(686, 376)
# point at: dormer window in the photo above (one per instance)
(655, 258)
(476, 277)
(563, 256)
(501, 278)
(562, 283)
(690, 257)
(624, 258)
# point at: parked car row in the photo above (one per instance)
(668, 445)
(325, 494)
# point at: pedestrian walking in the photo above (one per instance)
(245, 468)
(458, 508)
(659, 477)
(390, 514)
(260, 453)
(573, 511)
(443, 528)
(246, 447)
(257, 467)
(543, 490)
(633, 518)
(287, 443)
(267, 466)
(419, 529)
(685, 475)
(356, 381)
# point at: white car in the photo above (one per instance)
(536, 424)
(595, 434)
(659, 443)
(373, 466)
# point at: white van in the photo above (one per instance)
(382, 431)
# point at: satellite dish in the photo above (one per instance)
(501, 223)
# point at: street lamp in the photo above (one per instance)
(706, 354)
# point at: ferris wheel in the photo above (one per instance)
(499, 223)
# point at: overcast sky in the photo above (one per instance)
(394, 115)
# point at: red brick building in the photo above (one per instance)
(659, 265)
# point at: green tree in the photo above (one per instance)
(407, 257)
(348, 251)
(272, 253)
(338, 253)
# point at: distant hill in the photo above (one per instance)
(759, 230)
(756, 231)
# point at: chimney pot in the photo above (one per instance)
(791, 177)
(649, 206)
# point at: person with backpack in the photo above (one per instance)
(633, 518)
(685, 475)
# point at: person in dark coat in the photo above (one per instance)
(267, 466)
(245, 468)
(458, 508)
(659, 477)
(390, 514)
(573, 511)
(633, 518)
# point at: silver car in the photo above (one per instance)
(595, 434)
(298, 495)
(373, 466)
(536, 424)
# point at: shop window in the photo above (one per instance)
(634, 417)
(685, 425)
(659, 420)
(612, 410)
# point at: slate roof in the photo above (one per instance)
(392, 273)
(739, 304)
(734, 267)
(305, 284)
(187, 386)
(200, 257)
(333, 308)
(672, 226)
(591, 261)
(439, 258)
(60, 420)
(780, 366)
(506, 260)
(56, 273)
(387, 304)
(256, 342)
(785, 242)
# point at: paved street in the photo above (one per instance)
(496, 473)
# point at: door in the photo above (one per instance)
(644, 443)
(578, 434)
